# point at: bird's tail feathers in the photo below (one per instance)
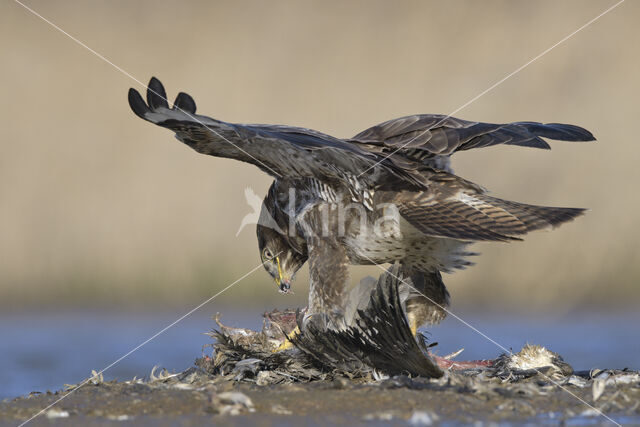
(479, 217)
(532, 216)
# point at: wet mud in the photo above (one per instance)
(195, 396)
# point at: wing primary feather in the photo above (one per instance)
(422, 137)
(185, 102)
(156, 95)
(137, 104)
(558, 131)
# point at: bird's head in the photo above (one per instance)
(279, 259)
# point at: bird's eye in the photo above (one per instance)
(267, 254)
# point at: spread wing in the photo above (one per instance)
(459, 209)
(281, 151)
(426, 135)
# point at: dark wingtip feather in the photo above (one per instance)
(185, 102)
(572, 132)
(137, 104)
(156, 95)
(558, 131)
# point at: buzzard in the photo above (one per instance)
(387, 194)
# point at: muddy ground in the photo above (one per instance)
(195, 397)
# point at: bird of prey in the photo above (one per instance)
(387, 194)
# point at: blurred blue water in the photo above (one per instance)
(43, 351)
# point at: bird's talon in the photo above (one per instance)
(287, 344)
(413, 325)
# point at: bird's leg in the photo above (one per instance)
(329, 276)
(328, 265)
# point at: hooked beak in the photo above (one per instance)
(284, 284)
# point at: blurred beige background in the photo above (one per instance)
(98, 208)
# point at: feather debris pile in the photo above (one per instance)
(375, 338)
(375, 342)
